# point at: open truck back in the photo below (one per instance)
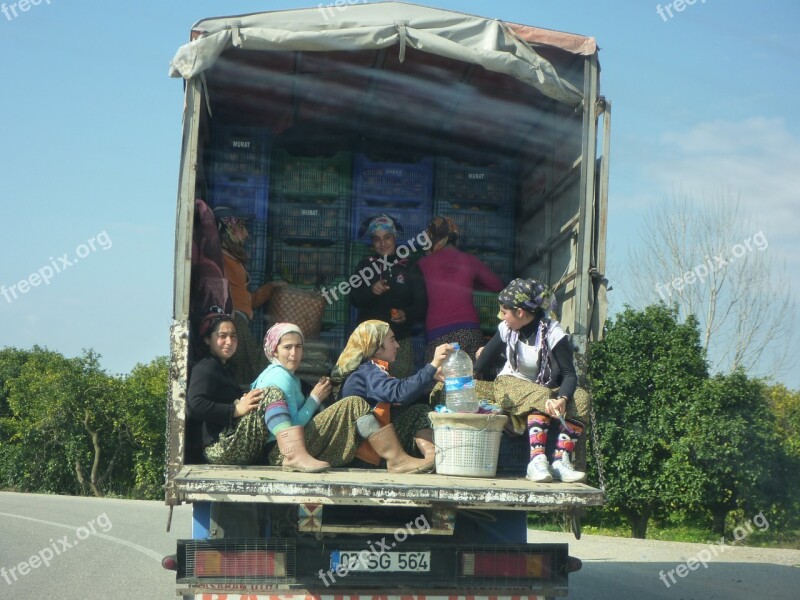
(498, 125)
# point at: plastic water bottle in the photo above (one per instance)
(459, 387)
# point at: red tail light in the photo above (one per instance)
(506, 565)
(253, 563)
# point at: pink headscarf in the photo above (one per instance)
(274, 335)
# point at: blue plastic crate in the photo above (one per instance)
(472, 185)
(393, 183)
(245, 193)
(239, 150)
(413, 220)
(301, 219)
(310, 265)
(481, 229)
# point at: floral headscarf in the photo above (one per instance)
(364, 342)
(273, 337)
(529, 295)
(381, 223)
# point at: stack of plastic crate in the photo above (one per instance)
(480, 200)
(312, 195)
(240, 169)
(402, 190)
(239, 179)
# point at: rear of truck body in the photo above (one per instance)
(499, 125)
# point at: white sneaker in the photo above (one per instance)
(539, 470)
(564, 471)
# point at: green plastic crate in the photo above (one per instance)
(487, 307)
(325, 176)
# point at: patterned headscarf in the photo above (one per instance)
(442, 228)
(364, 342)
(273, 337)
(381, 223)
(529, 294)
(227, 220)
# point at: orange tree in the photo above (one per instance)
(643, 376)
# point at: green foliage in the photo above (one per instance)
(68, 427)
(145, 393)
(785, 406)
(731, 445)
(643, 376)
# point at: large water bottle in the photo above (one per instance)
(459, 387)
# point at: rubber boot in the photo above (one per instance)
(292, 445)
(424, 441)
(388, 447)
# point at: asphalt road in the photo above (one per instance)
(92, 549)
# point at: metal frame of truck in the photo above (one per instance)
(560, 233)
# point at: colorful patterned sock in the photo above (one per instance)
(537, 432)
(567, 438)
(276, 416)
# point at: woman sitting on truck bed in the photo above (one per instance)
(363, 371)
(331, 438)
(538, 381)
(232, 423)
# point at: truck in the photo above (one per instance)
(311, 120)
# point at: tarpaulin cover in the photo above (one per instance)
(495, 45)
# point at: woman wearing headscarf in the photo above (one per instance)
(450, 278)
(538, 381)
(248, 361)
(308, 440)
(363, 371)
(397, 291)
(231, 423)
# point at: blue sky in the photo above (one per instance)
(705, 101)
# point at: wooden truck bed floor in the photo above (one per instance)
(375, 488)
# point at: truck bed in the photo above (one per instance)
(375, 488)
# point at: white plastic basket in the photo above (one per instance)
(467, 444)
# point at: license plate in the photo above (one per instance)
(383, 562)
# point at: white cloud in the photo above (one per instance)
(757, 159)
